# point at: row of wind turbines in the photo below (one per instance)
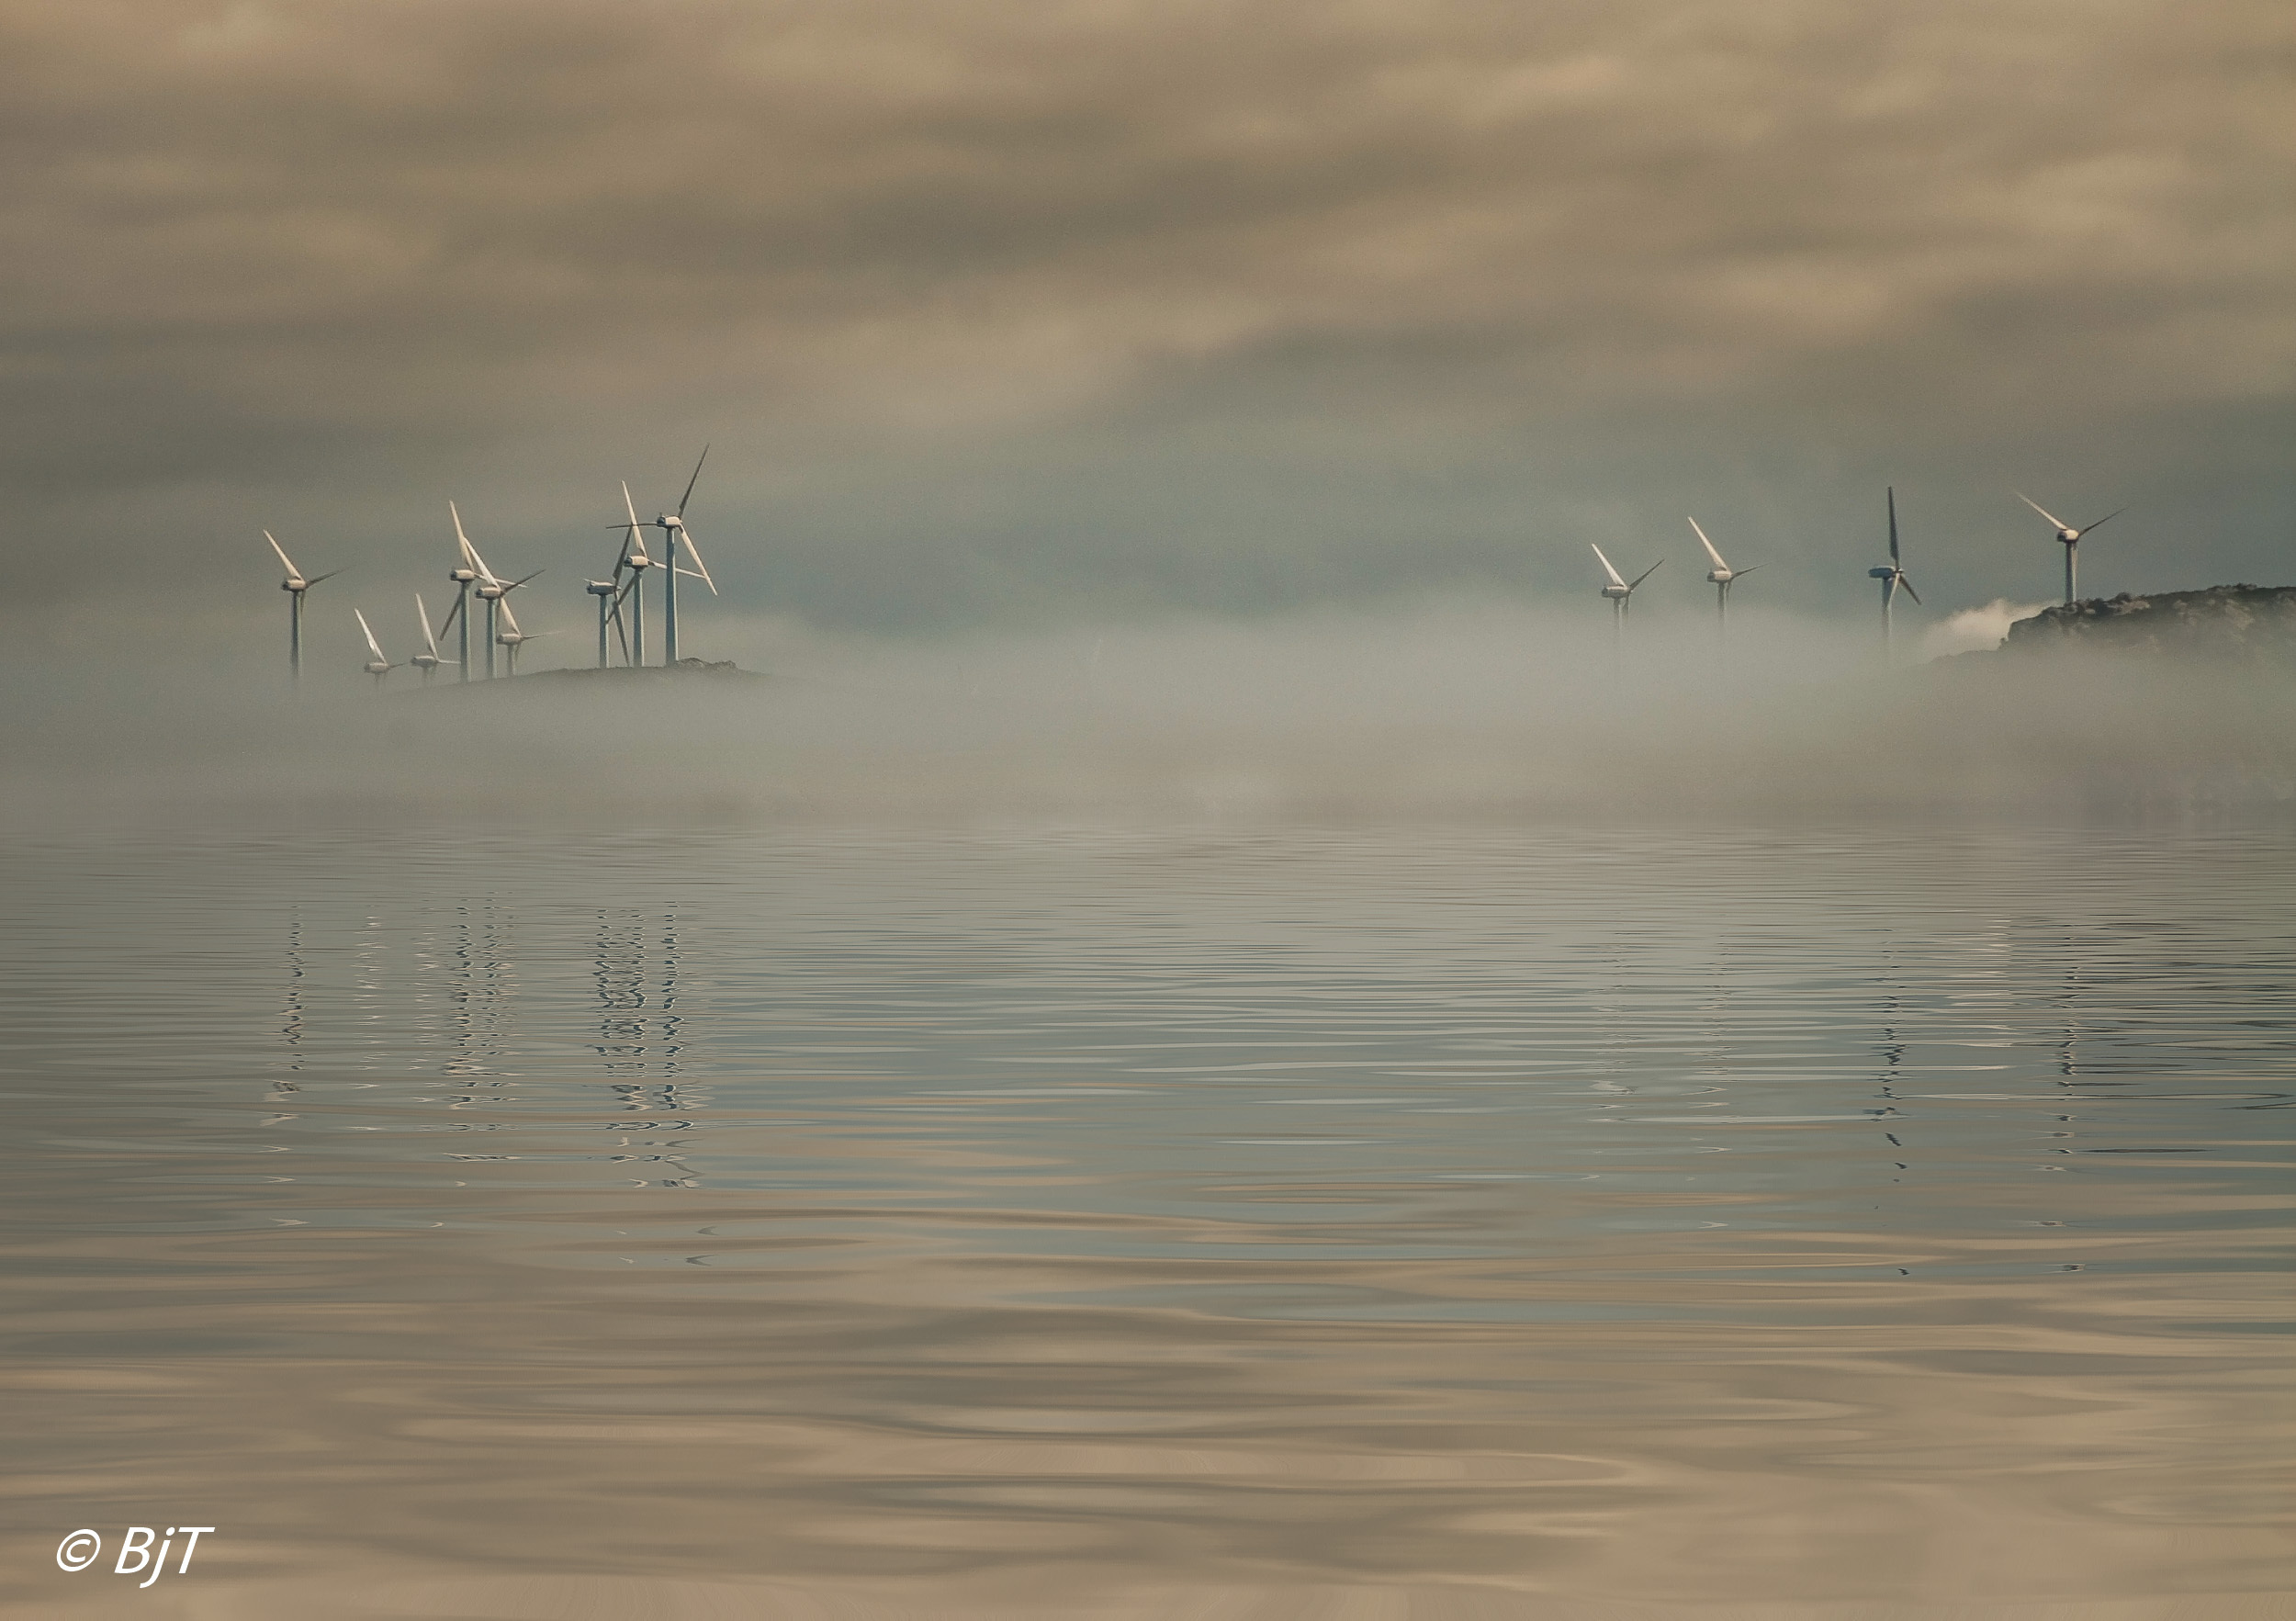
(1620, 591)
(621, 598)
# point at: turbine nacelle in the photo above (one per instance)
(296, 582)
(2066, 532)
(600, 588)
(462, 576)
(1618, 588)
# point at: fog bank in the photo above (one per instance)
(1450, 709)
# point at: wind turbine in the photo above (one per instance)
(1618, 590)
(1893, 577)
(492, 588)
(428, 660)
(295, 585)
(674, 528)
(1721, 574)
(379, 667)
(513, 638)
(463, 576)
(2069, 536)
(634, 559)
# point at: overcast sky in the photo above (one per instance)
(1017, 314)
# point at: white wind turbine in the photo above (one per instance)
(379, 666)
(428, 660)
(674, 533)
(1618, 590)
(2069, 536)
(1892, 577)
(512, 638)
(609, 597)
(490, 588)
(633, 560)
(295, 585)
(464, 577)
(1721, 574)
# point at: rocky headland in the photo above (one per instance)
(2223, 622)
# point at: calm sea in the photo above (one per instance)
(1051, 1221)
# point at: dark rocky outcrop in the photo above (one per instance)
(2223, 622)
(723, 668)
(614, 677)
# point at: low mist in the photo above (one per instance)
(1447, 709)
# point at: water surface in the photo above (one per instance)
(1421, 1221)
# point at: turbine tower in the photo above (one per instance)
(1892, 577)
(2070, 536)
(428, 660)
(1618, 590)
(379, 666)
(1721, 574)
(295, 585)
(609, 608)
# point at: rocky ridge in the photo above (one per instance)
(2224, 621)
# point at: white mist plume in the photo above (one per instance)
(1975, 630)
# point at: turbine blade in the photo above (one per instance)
(453, 613)
(293, 572)
(373, 646)
(509, 618)
(637, 530)
(423, 613)
(2037, 507)
(1703, 541)
(1908, 585)
(315, 578)
(469, 552)
(1736, 574)
(2107, 517)
(1607, 569)
(692, 551)
(1893, 528)
(1646, 574)
(692, 481)
(514, 584)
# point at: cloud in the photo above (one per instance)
(1002, 308)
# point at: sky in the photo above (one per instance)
(1002, 318)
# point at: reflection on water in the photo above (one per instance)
(1426, 1223)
